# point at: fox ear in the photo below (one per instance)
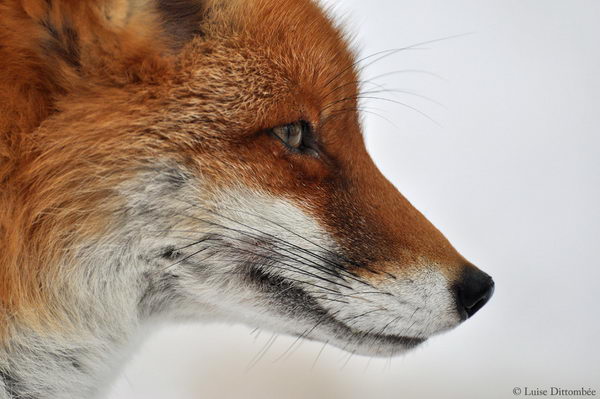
(181, 19)
(49, 47)
(173, 21)
(125, 25)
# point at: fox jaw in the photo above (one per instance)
(203, 160)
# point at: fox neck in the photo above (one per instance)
(75, 361)
(110, 307)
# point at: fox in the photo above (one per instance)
(164, 161)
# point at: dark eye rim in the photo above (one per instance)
(308, 146)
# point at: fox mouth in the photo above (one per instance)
(370, 343)
(292, 301)
(367, 342)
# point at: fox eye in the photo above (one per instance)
(291, 134)
(296, 136)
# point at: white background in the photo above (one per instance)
(510, 172)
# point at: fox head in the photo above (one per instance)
(204, 159)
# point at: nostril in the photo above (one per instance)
(474, 303)
(473, 290)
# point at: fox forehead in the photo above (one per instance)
(282, 61)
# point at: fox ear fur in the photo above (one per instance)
(120, 27)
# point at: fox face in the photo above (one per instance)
(204, 159)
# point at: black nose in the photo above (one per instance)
(473, 290)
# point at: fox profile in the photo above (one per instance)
(197, 159)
